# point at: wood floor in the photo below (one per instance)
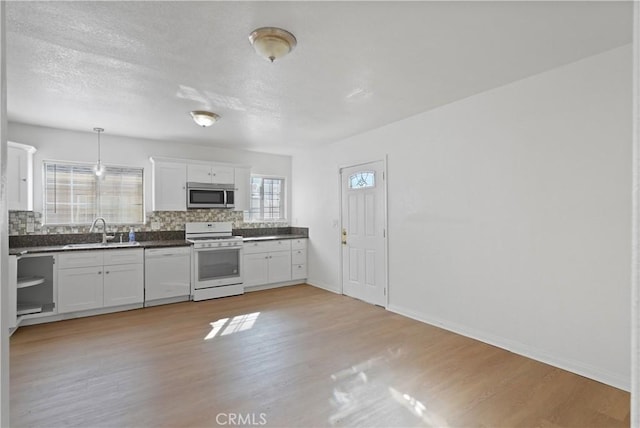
(289, 357)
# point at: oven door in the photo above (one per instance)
(215, 267)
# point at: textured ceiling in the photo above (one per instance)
(138, 68)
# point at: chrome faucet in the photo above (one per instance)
(105, 237)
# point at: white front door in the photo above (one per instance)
(364, 269)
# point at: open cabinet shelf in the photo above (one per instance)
(30, 281)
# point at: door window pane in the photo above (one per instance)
(362, 180)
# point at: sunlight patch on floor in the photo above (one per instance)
(226, 326)
(358, 394)
(418, 409)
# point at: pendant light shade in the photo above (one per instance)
(98, 168)
(272, 43)
(204, 118)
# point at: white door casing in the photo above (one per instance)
(363, 220)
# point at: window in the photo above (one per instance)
(74, 195)
(267, 199)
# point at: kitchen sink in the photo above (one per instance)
(101, 245)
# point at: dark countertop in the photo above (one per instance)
(143, 244)
(60, 248)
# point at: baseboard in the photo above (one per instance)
(577, 367)
(324, 287)
(166, 301)
(81, 314)
(270, 286)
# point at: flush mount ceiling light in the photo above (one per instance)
(204, 118)
(98, 168)
(272, 43)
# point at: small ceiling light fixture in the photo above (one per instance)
(98, 168)
(272, 43)
(204, 118)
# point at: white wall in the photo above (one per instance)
(509, 215)
(4, 224)
(57, 144)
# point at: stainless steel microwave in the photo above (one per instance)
(210, 195)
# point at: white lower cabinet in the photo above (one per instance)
(267, 262)
(256, 269)
(99, 278)
(80, 289)
(280, 266)
(299, 258)
(123, 284)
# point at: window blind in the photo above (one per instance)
(74, 195)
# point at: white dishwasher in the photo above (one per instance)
(167, 275)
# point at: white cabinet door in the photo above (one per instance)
(19, 178)
(208, 173)
(256, 269)
(199, 173)
(169, 186)
(80, 289)
(123, 284)
(222, 174)
(242, 182)
(280, 266)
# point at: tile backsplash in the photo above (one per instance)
(30, 222)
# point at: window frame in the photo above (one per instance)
(283, 198)
(90, 165)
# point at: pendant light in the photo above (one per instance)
(98, 168)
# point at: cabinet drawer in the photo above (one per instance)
(281, 245)
(299, 271)
(123, 257)
(299, 257)
(255, 247)
(266, 246)
(80, 259)
(299, 244)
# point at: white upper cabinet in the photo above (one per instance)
(210, 173)
(20, 176)
(169, 185)
(242, 183)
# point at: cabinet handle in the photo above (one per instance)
(99, 272)
(107, 272)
